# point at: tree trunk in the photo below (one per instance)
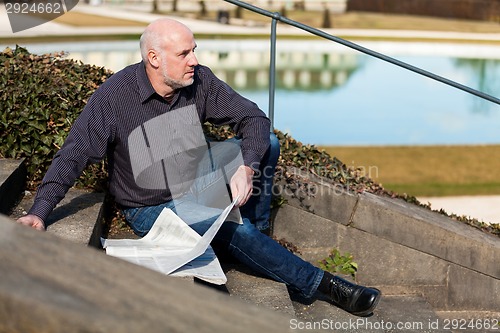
(203, 8)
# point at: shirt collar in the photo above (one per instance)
(146, 89)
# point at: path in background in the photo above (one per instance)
(484, 208)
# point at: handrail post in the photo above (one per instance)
(272, 69)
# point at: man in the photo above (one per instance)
(169, 94)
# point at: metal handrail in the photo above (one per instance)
(276, 16)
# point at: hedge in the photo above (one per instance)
(41, 97)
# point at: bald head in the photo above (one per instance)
(167, 49)
(162, 34)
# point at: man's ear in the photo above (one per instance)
(153, 58)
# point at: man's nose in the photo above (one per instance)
(193, 61)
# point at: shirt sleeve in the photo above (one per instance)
(224, 106)
(86, 143)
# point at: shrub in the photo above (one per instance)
(41, 97)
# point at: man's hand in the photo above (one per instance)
(32, 221)
(242, 184)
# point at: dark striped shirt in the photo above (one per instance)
(125, 102)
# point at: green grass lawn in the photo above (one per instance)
(427, 170)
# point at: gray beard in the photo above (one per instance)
(174, 84)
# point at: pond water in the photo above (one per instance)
(328, 94)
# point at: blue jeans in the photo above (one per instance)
(258, 207)
(244, 241)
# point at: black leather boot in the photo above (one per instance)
(353, 298)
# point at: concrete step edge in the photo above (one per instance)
(12, 183)
(76, 218)
(261, 291)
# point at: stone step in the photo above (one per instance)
(470, 321)
(76, 218)
(12, 182)
(408, 313)
(50, 284)
(253, 288)
(319, 313)
(395, 313)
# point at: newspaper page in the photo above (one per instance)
(172, 247)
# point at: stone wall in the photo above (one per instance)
(400, 247)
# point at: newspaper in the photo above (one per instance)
(172, 247)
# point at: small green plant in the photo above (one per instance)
(278, 201)
(338, 263)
